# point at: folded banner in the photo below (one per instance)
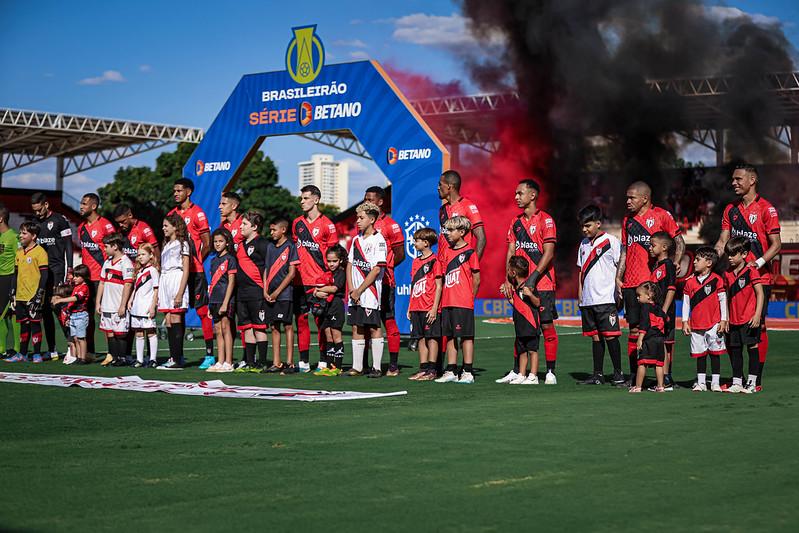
(215, 388)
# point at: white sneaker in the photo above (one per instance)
(549, 380)
(214, 368)
(321, 366)
(69, 359)
(715, 387)
(735, 389)
(304, 367)
(699, 387)
(750, 388)
(448, 377)
(531, 379)
(226, 367)
(240, 364)
(169, 365)
(466, 377)
(518, 380)
(507, 378)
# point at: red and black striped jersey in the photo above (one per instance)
(222, 266)
(235, 229)
(139, 233)
(115, 274)
(635, 234)
(423, 283)
(457, 267)
(741, 296)
(653, 320)
(664, 275)
(92, 249)
(278, 260)
(251, 259)
(526, 320)
(462, 208)
(705, 310)
(313, 239)
(755, 223)
(197, 226)
(529, 235)
(366, 254)
(392, 233)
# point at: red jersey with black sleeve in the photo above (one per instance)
(278, 260)
(457, 266)
(92, 249)
(139, 233)
(424, 272)
(754, 223)
(235, 229)
(251, 259)
(664, 275)
(526, 321)
(392, 233)
(313, 239)
(197, 225)
(529, 236)
(81, 292)
(705, 310)
(635, 234)
(741, 296)
(462, 208)
(653, 321)
(221, 267)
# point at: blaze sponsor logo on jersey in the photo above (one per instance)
(306, 113)
(305, 55)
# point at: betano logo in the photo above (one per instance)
(306, 113)
(393, 155)
(201, 167)
(305, 55)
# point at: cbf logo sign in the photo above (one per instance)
(305, 55)
(412, 225)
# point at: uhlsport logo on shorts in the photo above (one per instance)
(305, 55)
(412, 224)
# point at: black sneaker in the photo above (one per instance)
(138, 365)
(618, 379)
(274, 369)
(119, 362)
(593, 379)
(374, 373)
(413, 345)
(668, 383)
(288, 369)
(152, 364)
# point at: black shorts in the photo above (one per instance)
(334, 316)
(420, 329)
(278, 312)
(367, 318)
(251, 315)
(742, 335)
(669, 327)
(386, 302)
(457, 322)
(548, 311)
(5, 295)
(632, 308)
(23, 315)
(527, 344)
(766, 298)
(600, 319)
(198, 290)
(229, 312)
(299, 305)
(652, 352)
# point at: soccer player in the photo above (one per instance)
(135, 232)
(200, 239)
(28, 289)
(755, 219)
(250, 303)
(221, 301)
(92, 251)
(116, 285)
(651, 335)
(532, 235)
(8, 253)
(704, 317)
(423, 308)
(526, 322)
(746, 299)
(55, 236)
(664, 275)
(365, 272)
(642, 221)
(598, 258)
(173, 294)
(279, 271)
(454, 205)
(395, 240)
(460, 269)
(229, 215)
(313, 234)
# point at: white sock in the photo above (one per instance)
(752, 379)
(701, 378)
(69, 351)
(140, 348)
(738, 381)
(377, 353)
(358, 347)
(153, 346)
(715, 378)
(322, 364)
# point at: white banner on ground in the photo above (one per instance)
(214, 388)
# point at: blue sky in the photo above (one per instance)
(176, 62)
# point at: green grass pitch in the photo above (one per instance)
(445, 457)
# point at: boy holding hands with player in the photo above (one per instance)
(426, 286)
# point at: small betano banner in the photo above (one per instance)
(212, 389)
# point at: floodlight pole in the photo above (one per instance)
(59, 173)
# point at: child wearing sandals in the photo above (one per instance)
(651, 336)
(144, 304)
(173, 295)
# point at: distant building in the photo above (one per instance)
(332, 177)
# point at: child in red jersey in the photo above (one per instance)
(526, 320)
(459, 267)
(61, 292)
(664, 275)
(651, 335)
(704, 317)
(425, 298)
(746, 300)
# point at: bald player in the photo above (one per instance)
(453, 204)
(755, 219)
(642, 221)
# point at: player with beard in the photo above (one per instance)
(135, 232)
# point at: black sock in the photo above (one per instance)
(304, 356)
(633, 365)
(614, 349)
(754, 359)
(112, 347)
(170, 339)
(760, 373)
(715, 364)
(262, 349)
(736, 360)
(249, 353)
(467, 367)
(452, 368)
(551, 366)
(598, 352)
(179, 330)
(122, 346)
(393, 360)
(330, 355)
(209, 347)
(701, 364)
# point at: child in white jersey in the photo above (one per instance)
(144, 304)
(173, 295)
(116, 282)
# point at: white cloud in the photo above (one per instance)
(108, 76)
(354, 43)
(722, 13)
(359, 54)
(75, 185)
(145, 68)
(356, 166)
(452, 31)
